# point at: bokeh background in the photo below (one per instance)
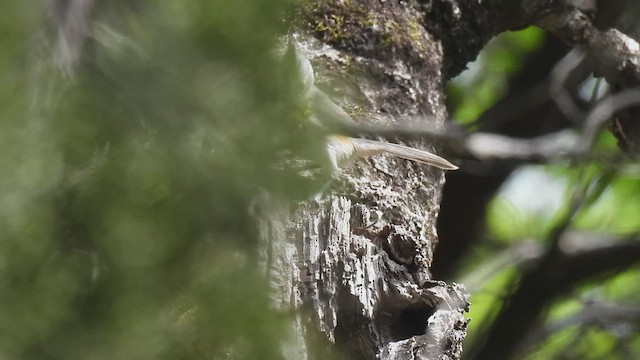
(513, 211)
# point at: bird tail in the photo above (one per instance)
(366, 147)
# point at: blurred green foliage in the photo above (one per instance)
(528, 206)
(615, 213)
(125, 188)
(126, 184)
(618, 210)
(485, 82)
(486, 302)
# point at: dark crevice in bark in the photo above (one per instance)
(410, 321)
(351, 333)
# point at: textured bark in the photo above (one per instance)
(357, 258)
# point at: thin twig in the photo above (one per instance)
(598, 117)
(559, 78)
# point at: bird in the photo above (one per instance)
(343, 150)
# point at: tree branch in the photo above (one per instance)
(556, 274)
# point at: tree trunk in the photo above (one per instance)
(355, 260)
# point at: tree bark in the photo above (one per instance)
(358, 257)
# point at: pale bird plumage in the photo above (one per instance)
(343, 149)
